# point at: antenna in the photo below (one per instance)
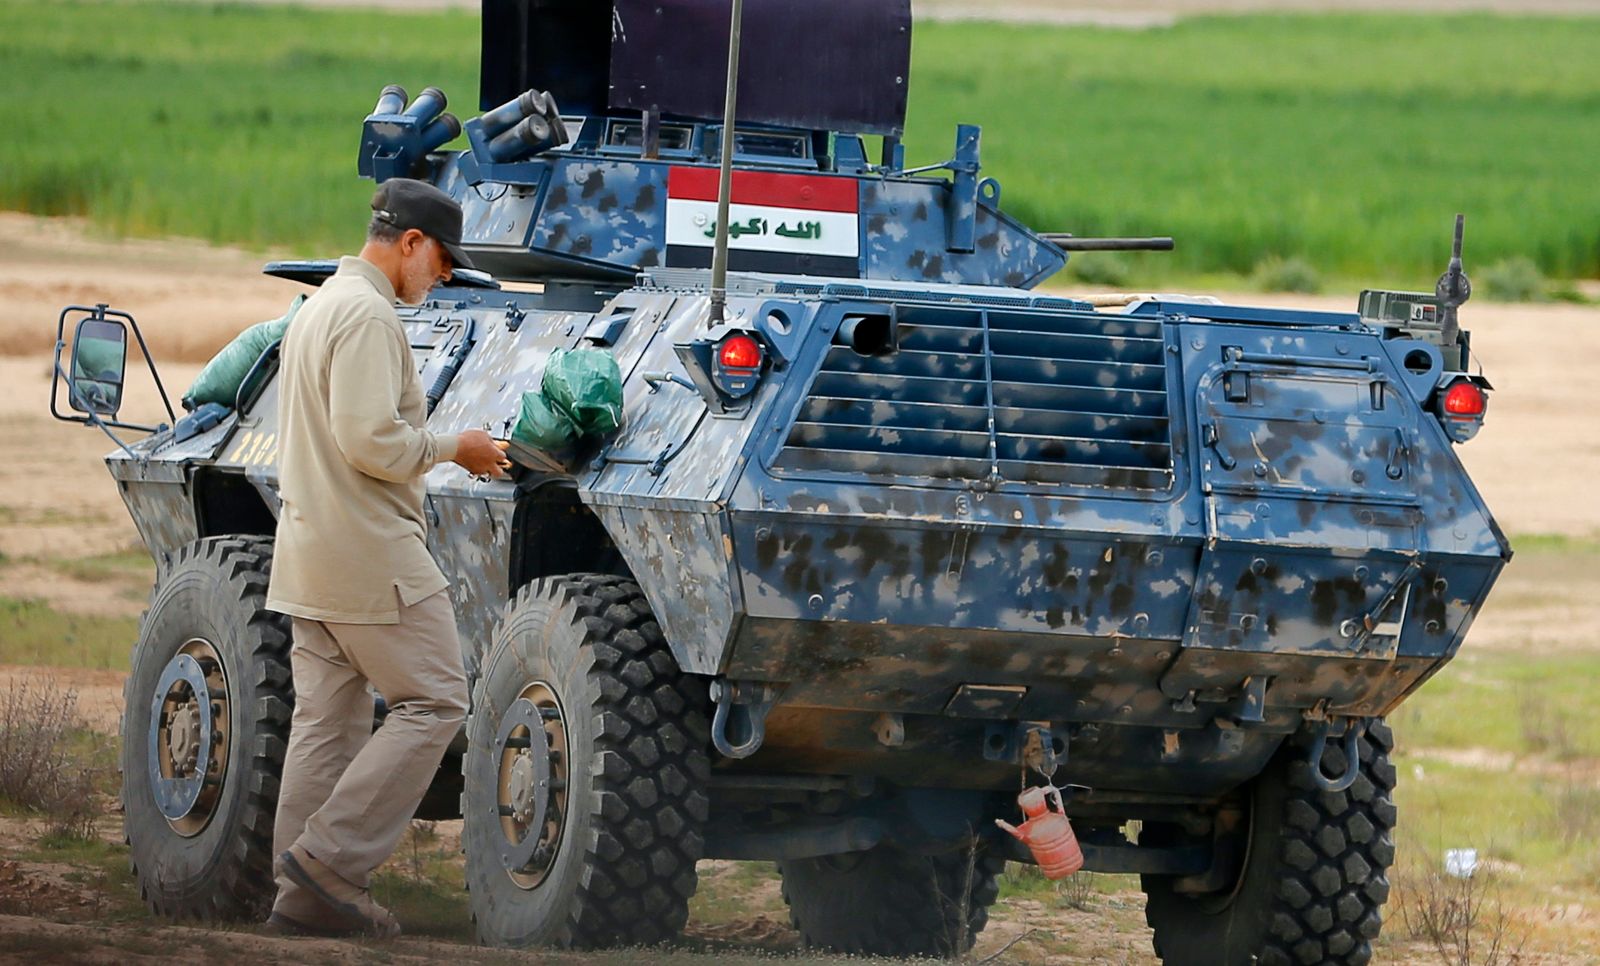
(1454, 288)
(719, 251)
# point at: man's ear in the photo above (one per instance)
(410, 240)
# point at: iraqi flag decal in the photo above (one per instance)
(782, 223)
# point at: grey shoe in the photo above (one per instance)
(297, 912)
(350, 907)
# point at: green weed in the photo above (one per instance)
(1274, 274)
(1515, 279)
(1347, 141)
(428, 907)
(1514, 703)
(33, 632)
(132, 563)
(1555, 543)
(1099, 268)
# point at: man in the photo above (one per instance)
(352, 569)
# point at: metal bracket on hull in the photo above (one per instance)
(747, 703)
(1353, 731)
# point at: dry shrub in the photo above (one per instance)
(42, 766)
(1575, 811)
(1464, 920)
(420, 847)
(1546, 729)
(1077, 891)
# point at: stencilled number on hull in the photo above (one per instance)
(254, 449)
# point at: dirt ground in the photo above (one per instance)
(1535, 462)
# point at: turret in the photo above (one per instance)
(620, 178)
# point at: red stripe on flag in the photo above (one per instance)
(767, 188)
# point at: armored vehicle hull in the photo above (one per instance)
(884, 536)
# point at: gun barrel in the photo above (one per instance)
(1069, 243)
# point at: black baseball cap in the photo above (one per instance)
(406, 203)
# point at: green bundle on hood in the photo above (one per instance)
(580, 395)
(219, 381)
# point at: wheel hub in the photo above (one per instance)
(525, 797)
(187, 741)
(532, 789)
(185, 737)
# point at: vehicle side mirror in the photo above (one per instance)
(99, 362)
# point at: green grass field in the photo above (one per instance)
(1349, 141)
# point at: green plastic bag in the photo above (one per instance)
(219, 381)
(541, 426)
(586, 385)
(580, 395)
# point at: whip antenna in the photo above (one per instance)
(719, 251)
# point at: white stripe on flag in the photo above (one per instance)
(766, 228)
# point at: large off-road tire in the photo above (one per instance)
(603, 852)
(209, 858)
(1314, 877)
(888, 902)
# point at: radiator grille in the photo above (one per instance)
(1004, 395)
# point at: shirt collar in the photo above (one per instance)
(354, 265)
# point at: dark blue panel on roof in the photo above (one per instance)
(838, 65)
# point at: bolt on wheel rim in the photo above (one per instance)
(531, 790)
(188, 738)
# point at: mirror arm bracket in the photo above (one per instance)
(104, 313)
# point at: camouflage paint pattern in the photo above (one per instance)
(1175, 531)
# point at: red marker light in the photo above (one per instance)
(740, 352)
(1464, 399)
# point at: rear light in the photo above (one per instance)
(1461, 409)
(1465, 399)
(739, 361)
(739, 352)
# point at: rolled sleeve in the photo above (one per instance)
(364, 379)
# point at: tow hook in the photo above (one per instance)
(1354, 729)
(748, 703)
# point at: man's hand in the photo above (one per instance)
(481, 454)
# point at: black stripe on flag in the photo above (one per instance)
(775, 263)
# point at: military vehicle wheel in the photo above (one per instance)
(888, 902)
(1314, 877)
(585, 773)
(204, 728)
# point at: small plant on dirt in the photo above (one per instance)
(1463, 919)
(420, 838)
(44, 765)
(1546, 729)
(1576, 811)
(1275, 274)
(1515, 279)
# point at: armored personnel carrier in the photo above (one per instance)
(885, 536)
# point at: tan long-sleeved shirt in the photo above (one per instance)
(352, 457)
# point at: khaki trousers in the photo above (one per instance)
(348, 793)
